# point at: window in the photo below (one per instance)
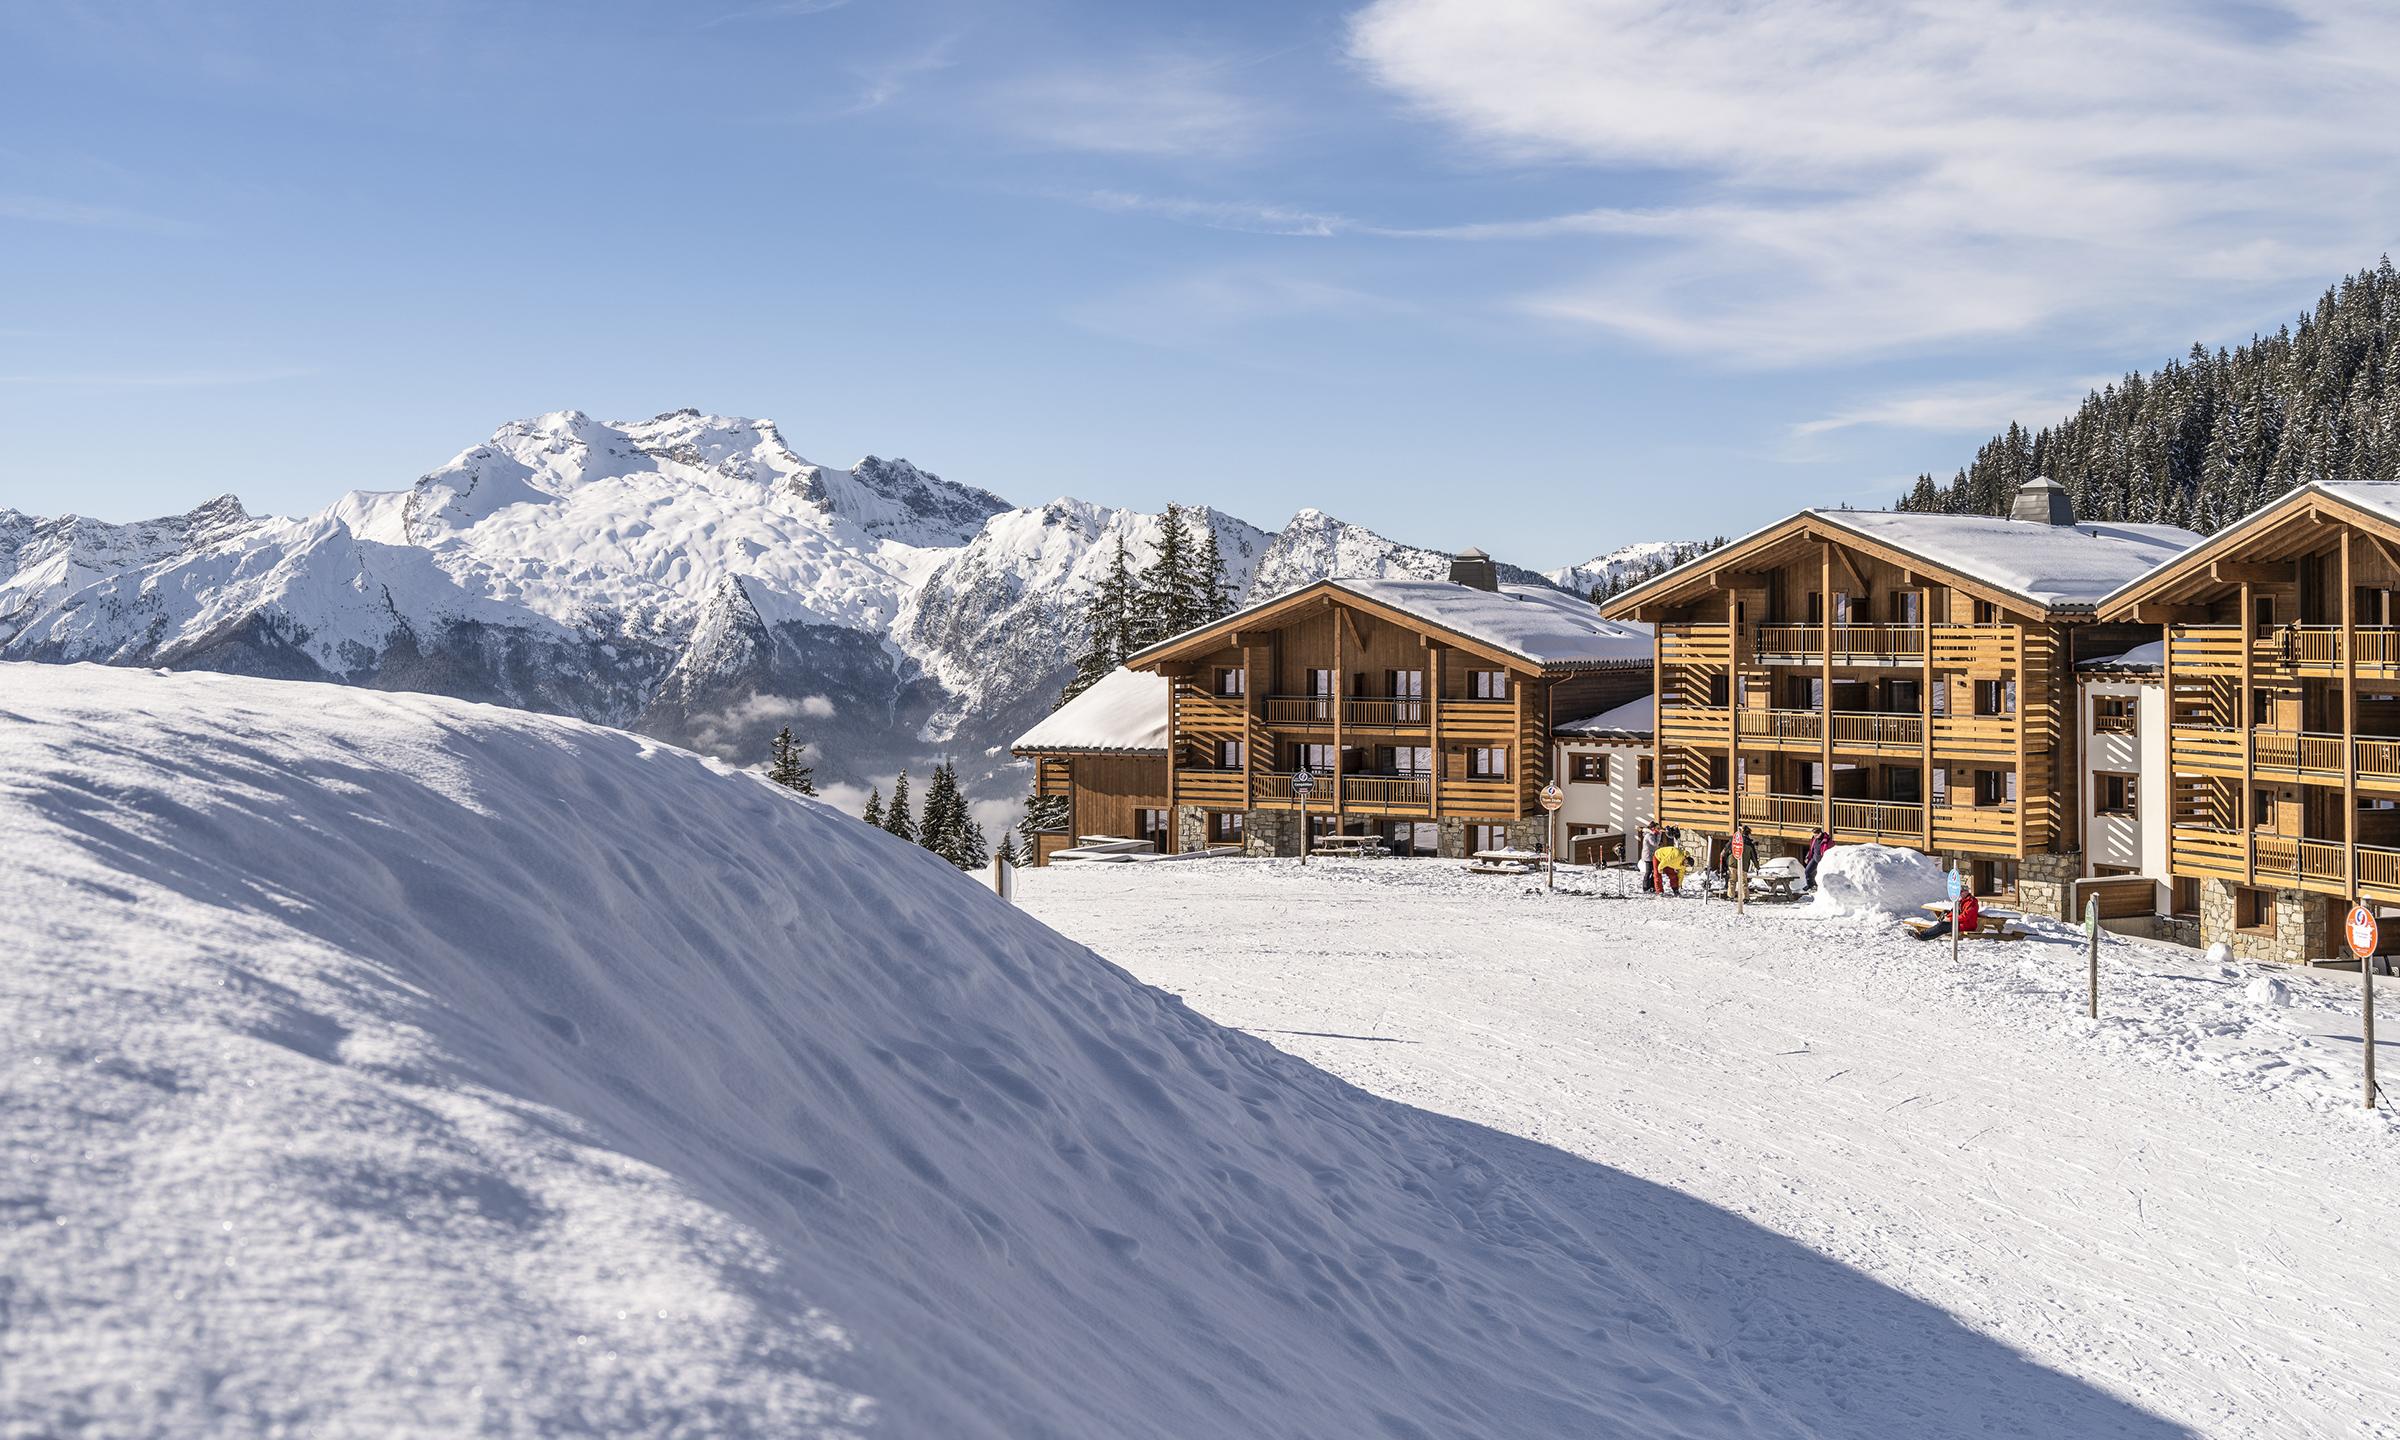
(1232, 680)
(1905, 608)
(1320, 689)
(1313, 757)
(2262, 707)
(1941, 785)
(1487, 837)
(2187, 896)
(2113, 715)
(1413, 761)
(2112, 794)
(1995, 878)
(1487, 684)
(1717, 690)
(1902, 697)
(1225, 826)
(1151, 825)
(1900, 785)
(2262, 813)
(1229, 754)
(1487, 762)
(1941, 697)
(1995, 787)
(1587, 769)
(1995, 697)
(2262, 612)
(1716, 772)
(1816, 608)
(2254, 910)
(1842, 609)
(1642, 775)
(2372, 606)
(1986, 613)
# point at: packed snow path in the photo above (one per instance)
(2182, 1206)
(381, 1065)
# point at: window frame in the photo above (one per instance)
(1580, 764)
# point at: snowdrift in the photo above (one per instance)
(1876, 882)
(388, 1065)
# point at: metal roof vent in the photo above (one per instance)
(2043, 501)
(1472, 568)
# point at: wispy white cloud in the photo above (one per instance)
(1206, 304)
(1144, 105)
(1220, 214)
(48, 210)
(883, 81)
(1861, 177)
(153, 379)
(774, 10)
(1971, 407)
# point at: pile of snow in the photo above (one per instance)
(382, 1063)
(1876, 882)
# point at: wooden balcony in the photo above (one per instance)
(2309, 756)
(1693, 724)
(1209, 786)
(1852, 729)
(1879, 820)
(1791, 815)
(1274, 787)
(2284, 651)
(1301, 711)
(1852, 644)
(1390, 794)
(1865, 730)
(1384, 714)
(1775, 727)
(2284, 861)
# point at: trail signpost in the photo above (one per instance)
(1956, 884)
(1552, 798)
(2363, 934)
(2091, 932)
(1304, 784)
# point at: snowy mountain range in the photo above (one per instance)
(689, 576)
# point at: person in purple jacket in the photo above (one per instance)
(1818, 843)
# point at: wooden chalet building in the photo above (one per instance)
(1422, 709)
(1892, 677)
(2281, 672)
(1101, 760)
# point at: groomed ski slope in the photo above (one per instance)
(2182, 1205)
(382, 1065)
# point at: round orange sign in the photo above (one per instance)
(2363, 932)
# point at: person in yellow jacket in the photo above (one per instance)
(1671, 864)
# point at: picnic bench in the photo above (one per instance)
(1779, 879)
(1504, 862)
(1988, 924)
(1371, 847)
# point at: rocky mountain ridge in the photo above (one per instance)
(689, 576)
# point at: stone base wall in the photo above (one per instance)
(2304, 925)
(2046, 884)
(1529, 833)
(1191, 829)
(1269, 833)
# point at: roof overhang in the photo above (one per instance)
(2281, 530)
(1738, 561)
(1323, 595)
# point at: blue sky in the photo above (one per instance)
(1535, 275)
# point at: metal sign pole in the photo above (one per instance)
(2091, 926)
(1958, 887)
(1552, 798)
(1304, 784)
(2365, 935)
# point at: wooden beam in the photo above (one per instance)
(1244, 639)
(2253, 572)
(1849, 568)
(1737, 580)
(2155, 614)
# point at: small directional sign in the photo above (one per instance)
(1553, 797)
(1956, 882)
(2361, 931)
(1304, 782)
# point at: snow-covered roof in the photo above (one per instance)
(2061, 566)
(1124, 711)
(1534, 623)
(2382, 495)
(2152, 656)
(1634, 717)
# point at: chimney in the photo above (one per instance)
(1474, 569)
(2043, 501)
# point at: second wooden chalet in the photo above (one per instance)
(2281, 684)
(1892, 677)
(1421, 709)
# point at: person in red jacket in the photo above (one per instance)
(1818, 843)
(1969, 916)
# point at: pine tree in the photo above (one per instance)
(873, 814)
(1212, 598)
(942, 825)
(896, 819)
(1167, 602)
(1044, 815)
(785, 767)
(1107, 623)
(973, 852)
(1008, 846)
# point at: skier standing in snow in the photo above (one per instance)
(1650, 858)
(1818, 843)
(1671, 861)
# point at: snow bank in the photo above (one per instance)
(383, 1064)
(1876, 881)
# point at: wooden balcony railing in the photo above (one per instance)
(1300, 709)
(2296, 750)
(1805, 725)
(1383, 714)
(1387, 792)
(1207, 785)
(2105, 724)
(1878, 818)
(1874, 731)
(1850, 642)
(1787, 812)
(1276, 787)
(2284, 860)
(2310, 755)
